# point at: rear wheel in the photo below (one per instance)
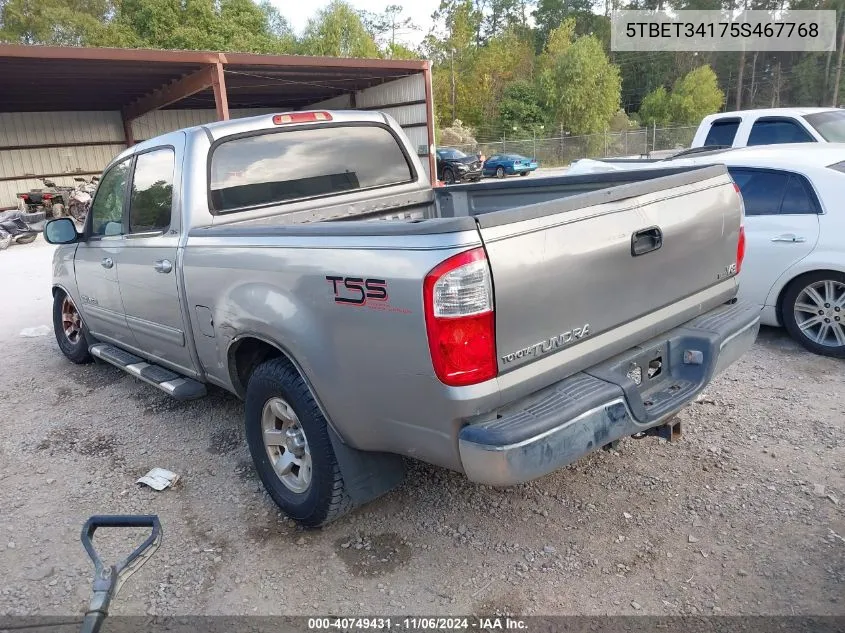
(71, 333)
(289, 442)
(57, 210)
(5, 240)
(500, 172)
(813, 312)
(523, 173)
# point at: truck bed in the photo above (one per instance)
(560, 251)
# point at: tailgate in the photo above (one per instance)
(570, 270)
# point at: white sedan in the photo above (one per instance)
(794, 266)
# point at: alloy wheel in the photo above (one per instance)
(819, 312)
(286, 445)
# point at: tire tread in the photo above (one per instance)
(279, 372)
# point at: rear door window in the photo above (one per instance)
(762, 191)
(722, 132)
(772, 192)
(286, 165)
(775, 131)
(798, 198)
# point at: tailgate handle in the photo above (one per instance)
(645, 241)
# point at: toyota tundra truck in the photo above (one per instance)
(303, 262)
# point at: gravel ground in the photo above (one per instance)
(743, 515)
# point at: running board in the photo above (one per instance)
(171, 383)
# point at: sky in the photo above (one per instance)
(298, 12)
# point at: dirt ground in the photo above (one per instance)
(744, 515)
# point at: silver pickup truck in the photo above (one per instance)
(303, 262)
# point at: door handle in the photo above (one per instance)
(646, 241)
(788, 237)
(107, 262)
(163, 266)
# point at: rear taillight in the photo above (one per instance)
(459, 319)
(740, 243)
(740, 249)
(47, 196)
(23, 196)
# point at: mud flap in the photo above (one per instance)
(366, 475)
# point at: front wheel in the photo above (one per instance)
(289, 442)
(70, 331)
(449, 177)
(813, 312)
(500, 172)
(523, 173)
(5, 240)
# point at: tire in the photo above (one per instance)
(32, 218)
(448, 176)
(500, 172)
(27, 239)
(276, 386)
(523, 173)
(74, 346)
(820, 325)
(5, 240)
(57, 210)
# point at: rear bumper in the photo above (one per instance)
(554, 427)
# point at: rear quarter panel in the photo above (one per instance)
(369, 365)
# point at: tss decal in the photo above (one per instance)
(362, 292)
(357, 291)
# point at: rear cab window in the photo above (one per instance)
(830, 125)
(773, 131)
(285, 165)
(722, 132)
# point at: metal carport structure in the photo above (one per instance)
(66, 111)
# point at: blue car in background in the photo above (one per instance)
(502, 165)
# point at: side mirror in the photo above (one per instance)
(60, 231)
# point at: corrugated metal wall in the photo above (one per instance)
(97, 137)
(163, 121)
(21, 129)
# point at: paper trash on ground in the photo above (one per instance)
(32, 332)
(159, 479)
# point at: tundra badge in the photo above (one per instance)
(543, 347)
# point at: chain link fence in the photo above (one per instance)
(563, 150)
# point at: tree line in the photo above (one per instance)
(503, 67)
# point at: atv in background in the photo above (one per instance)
(53, 200)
